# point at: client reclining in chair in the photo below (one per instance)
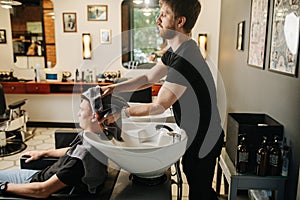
(77, 165)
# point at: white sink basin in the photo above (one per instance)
(145, 151)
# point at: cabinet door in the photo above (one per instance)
(37, 88)
(13, 88)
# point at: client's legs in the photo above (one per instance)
(17, 175)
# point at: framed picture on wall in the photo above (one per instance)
(97, 12)
(105, 36)
(284, 51)
(240, 36)
(2, 36)
(258, 33)
(70, 22)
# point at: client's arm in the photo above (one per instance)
(36, 189)
(35, 155)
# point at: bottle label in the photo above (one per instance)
(273, 160)
(243, 156)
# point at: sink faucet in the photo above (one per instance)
(176, 136)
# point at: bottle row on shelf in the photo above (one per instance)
(272, 158)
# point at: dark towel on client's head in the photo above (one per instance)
(110, 104)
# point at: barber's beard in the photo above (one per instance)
(167, 32)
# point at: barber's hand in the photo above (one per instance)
(106, 90)
(34, 155)
(109, 119)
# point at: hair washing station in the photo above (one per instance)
(147, 149)
(146, 152)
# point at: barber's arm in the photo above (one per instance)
(167, 96)
(35, 155)
(36, 189)
(138, 83)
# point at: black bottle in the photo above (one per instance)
(262, 158)
(76, 75)
(275, 158)
(242, 156)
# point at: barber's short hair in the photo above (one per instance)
(190, 9)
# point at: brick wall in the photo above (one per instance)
(49, 31)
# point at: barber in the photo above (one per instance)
(189, 88)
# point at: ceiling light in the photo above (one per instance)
(147, 14)
(137, 1)
(147, 11)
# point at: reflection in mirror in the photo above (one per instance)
(49, 32)
(33, 34)
(141, 43)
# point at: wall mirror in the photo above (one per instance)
(33, 38)
(141, 43)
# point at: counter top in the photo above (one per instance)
(54, 82)
(32, 87)
(47, 87)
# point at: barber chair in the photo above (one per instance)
(13, 130)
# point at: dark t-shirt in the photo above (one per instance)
(69, 170)
(193, 111)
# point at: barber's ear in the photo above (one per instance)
(181, 21)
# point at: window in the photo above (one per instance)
(140, 36)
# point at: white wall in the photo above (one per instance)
(69, 46)
(105, 57)
(209, 22)
(255, 90)
(61, 108)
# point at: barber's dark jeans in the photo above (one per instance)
(200, 173)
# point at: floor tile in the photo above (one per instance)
(4, 164)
